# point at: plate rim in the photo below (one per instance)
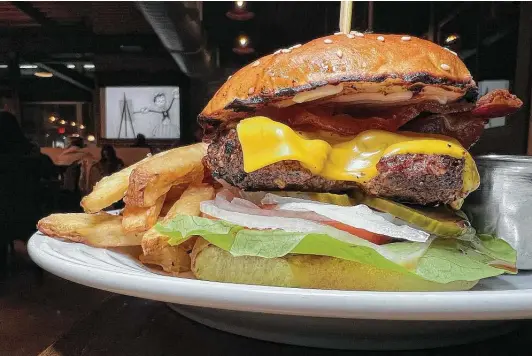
(433, 306)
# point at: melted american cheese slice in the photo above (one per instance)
(265, 142)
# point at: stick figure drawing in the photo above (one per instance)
(164, 129)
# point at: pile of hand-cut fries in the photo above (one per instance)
(159, 187)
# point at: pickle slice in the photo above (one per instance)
(328, 198)
(440, 221)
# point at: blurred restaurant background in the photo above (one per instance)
(87, 88)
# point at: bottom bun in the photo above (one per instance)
(306, 271)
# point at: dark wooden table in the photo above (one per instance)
(134, 327)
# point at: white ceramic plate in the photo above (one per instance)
(323, 318)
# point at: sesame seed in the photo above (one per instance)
(229, 77)
(380, 38)
(350, 36)
(327, 40)
(445, 66)
(339, 53)
(256, 63)
(277, 52)
(359, 34)
(405, 38)
(286, 50)
(338, 33)
(296, 46)
(251, 90)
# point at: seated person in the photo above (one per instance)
(108, 164)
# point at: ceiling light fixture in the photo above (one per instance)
(52, 118)
(27, 66)
(452, 38)
(71, 66)
(243, 45)
(89, 66)
(239, 12)
(43, 74)
(72, 123)
(62, 122)
(82, 127)
(91, 138)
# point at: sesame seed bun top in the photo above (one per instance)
(359, 62)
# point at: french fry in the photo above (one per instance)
(139, 219)
(109, 189)
(175, 192)
(172, 259)
(172, 196)
(99, 230)
(188, 204)
(154, 178)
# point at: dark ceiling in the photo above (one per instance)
(115, 37)
(280, 24)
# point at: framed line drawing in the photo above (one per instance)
(151, 111)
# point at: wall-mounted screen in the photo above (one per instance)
(151, 111)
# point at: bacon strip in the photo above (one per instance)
(467, 127)
(497, 103)
(461, 120)
(344, 124)
(352, 121)
(464, 127)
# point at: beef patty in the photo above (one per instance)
(415, 178)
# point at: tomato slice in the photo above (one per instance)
(377, 239)
(372, 237)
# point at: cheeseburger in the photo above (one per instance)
(343, 164)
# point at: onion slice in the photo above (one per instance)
(301, 215)
(318, 93)
(358, 216)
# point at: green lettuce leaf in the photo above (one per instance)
(496, 248)
(441, 260)
(451, 259)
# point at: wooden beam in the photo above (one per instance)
(70, 76)
(14, 83)
(74, 43)
(453, 14)
(34, 13)
(478, 40)
(371, 15)
(488, 41)
(523, 73)
(449, 18)
(431, 33)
